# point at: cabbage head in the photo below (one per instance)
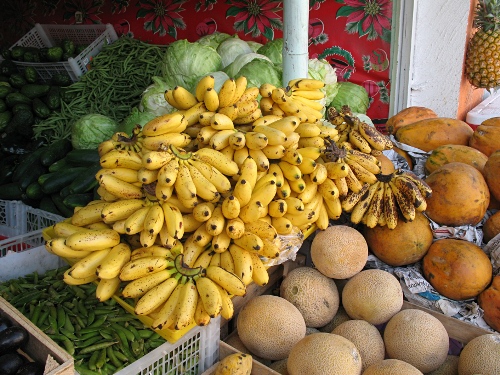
(213, 40)
(153, 98)
(136, 117)
(231, 48)
(274, 50)
(353, 95)
(185, 62)
(321, 70)
(258, 72)
(92, 129)
(254, 45)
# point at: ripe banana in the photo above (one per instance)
(260, 276)
(70, 280)
(215, 225)
(203, 84)
(173, 220)
(169, 123)
(211, 99)
(58, 247)
(183, 98)
(204, 187)
(121, 159)
(209, 295)
(320, 174)
(201, 317)
(231, 207)
(217, 160)
(106, 288)
(235, 228)
(185, 187)
(162, 142)
(203, 211)
(112, 264)
(226, 280)
(216, 177)
(376, 207)
(141, 267)
(88, 214)
(363, 204)
(119, 188)
(156, 296)
(93, 240)
(165, 317)
(186, 305)
(86, 267)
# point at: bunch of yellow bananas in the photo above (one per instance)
(360, 135)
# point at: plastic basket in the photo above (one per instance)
(40, 36)
(21, 226)
(194, 353)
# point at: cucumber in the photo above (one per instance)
(77, 200)
(65, 191)
(86, 181)
(55, 151)
(32, 175)
(32, 90)
(34, 191)
(59, 164)
(47, 204)
(60, 179)
(83, 157)
(27, 162)
(41, 179)
(11, 191)
(58, 202)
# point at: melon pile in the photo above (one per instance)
(347, 319)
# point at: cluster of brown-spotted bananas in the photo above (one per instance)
(359, 134)
(400, 193)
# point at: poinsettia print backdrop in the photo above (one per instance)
(353, 35)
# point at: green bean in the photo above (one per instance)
(98, 346)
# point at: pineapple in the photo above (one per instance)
(482, 63)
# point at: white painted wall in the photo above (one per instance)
(434, 50)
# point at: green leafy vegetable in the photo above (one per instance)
(231, 48)
(92, 129)
(274, 50)
(136, 117)
(185, 62)
(153, 98)
(213, 40)
(353, 95)
(260, 71)
(254, 45)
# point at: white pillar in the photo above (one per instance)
(295, 39)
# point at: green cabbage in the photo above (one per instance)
(321, 70)
(136, 117)
(353, 95)
(231, 48)
(185, 62)
(274, 50)
(258, 72)
(257, 68)
(153, 98)
(254, 45)
(92, 129)
(213, 40)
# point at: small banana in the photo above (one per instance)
(141, 267)
(249, 241)
(121, 159)
(215, 225)
(217, 160)
(183, 98)
(70, 280)
(390, 209)
(328, 190)
(260, 276)
(226, 280)
(121, 209)
(203, 84)
(231, 207)
(405, 201)
(240, 88)
(249, 118)
(168, 123)
(376, 207)
(282, 225)
(310, 190)
(261, 229)
(357, 140)
(201, 317)
(201, 237)
(306, 84)
(88, 214)
(235, 364)
(192, 250)
(377, 140)
(165, 317)
(255, 140)
(211, 99)
(138, 287)
(186, 305)
(124, 174)
(106, 288)
(173, 220)
(112, 264)
(216, 177)
(119, 188)
(351, 199)
(333, 208)
(226, 92)
(156, 296)
(220, 121)
(360, 172)
(220, 242)
(205, 134)
(277, 208)
(86, 267)
(247, 108)
(308, 130)
(237, 140)
(93, 240)
(363, 204)
(58, 247)
(185, 187)
(205, 189)
(250, 93)
(209, 295)
(311, 142)
(152, 251)
(203, 211)
(204, 259)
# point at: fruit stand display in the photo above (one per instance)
(183, 204)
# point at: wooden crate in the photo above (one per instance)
(276, 274)
(39, 347)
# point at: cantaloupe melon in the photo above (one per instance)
(367, 339)
(418, 338)
(449, 367)
(339, 251)
(481, 355)
(392, 367)
(269, 326)
(373, 295)
(314, 294)
(324, 353)
(339, 318)
(279, 366)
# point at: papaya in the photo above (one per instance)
(460, 195)
(491, 227)
(449, 153)
(429, 134)
(457, 269)
(486, 137)
(489, 301)
(491, 173)
(408, 116)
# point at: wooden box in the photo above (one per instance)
(39, 347)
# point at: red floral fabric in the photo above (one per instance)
(353, 35)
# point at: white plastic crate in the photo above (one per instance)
(194, 353)
(21, 226)
(40, 36)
